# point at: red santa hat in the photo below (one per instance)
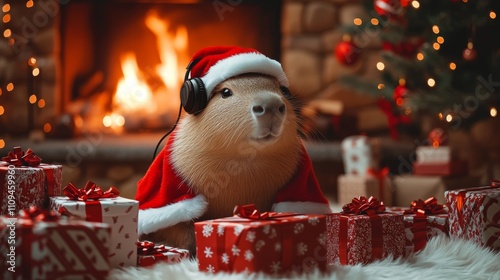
(217, 64)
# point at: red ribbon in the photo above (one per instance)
(146, 248)
(249, 211)
(90, 191)
(363, 206)
(36, 214)
(380, 175)
(18, 158)
(427, 207)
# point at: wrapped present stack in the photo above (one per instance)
(362, 174)
(436, 169)
(63, 231)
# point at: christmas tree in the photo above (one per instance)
(439, 58)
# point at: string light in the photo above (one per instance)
(374, 21)
(440, 116)
(449, 118)
(41, 103)
(453, 66)
(493, 15)
(2, 143)
(6, 18)
(493, 112)
(357, 21)
(7, 33)
(381, 86)
(32, 61)
(431, 82)
(440, 39)
(415, 4)
(2, 110)
(380, 66)
(6, 8)
(29, 4)
(35, 71)
(420, 56)
(10, 87)
(47, 128)
(435, 29)
(436, 46)
(32, 99)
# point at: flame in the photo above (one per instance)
(133, 94)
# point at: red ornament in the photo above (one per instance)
(388, 8)
(469, 54)
(347, 52)
(437, 137)
(400, 93)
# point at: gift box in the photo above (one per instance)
(40, 245)
(25, 181)
(350, 186)
(359, 154)
(149, 254)
(474, 214)
(422, 220)
(452, 168)
(281, 244)
(95, 205)
(411, 187)
(363, 232)
(429, 154)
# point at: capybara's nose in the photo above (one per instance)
(270, 105)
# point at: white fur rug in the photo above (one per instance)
(443, 258)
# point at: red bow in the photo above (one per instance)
(249, 211)
(18, 158)
(36, 214)
(145, 248)
(361, 205)
(90, 191)
(427, 207)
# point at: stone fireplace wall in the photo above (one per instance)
(310, 32)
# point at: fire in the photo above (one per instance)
(134, 98)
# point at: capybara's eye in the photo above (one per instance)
(226, 92)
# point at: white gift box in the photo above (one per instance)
(358, 155)
(428, 154)
(120, 213)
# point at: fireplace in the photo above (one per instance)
(118, 65)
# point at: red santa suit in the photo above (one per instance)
(165, 199)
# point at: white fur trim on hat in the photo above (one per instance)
(302, 207)
(153, 219)
(241, 64)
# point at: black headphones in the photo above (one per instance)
(193, 92)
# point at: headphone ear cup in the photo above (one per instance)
(193, 96)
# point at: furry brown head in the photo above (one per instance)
(242, 148)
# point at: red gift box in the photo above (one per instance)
(283, 244)
(422, 220)
(149, 254)
(454, 167)
(474, 214)
(25, 181)
(46, 247)
(360, 237)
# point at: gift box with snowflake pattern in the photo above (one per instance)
(361, 239)
(282, 245)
